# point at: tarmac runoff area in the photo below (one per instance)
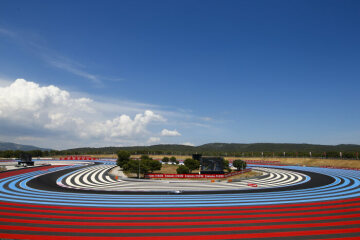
(317, 203)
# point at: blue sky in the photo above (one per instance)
(193, 71)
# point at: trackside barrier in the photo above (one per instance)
(160, 175)
(273, 163)
(7, 160)
(78, 158)
(262, 162)
(339, 168)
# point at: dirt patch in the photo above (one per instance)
(170, 169)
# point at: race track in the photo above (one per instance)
(84, 202)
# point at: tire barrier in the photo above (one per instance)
(325, 204)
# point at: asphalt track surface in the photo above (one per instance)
(34, 206)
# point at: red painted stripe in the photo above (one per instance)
(199, 237)
(180, 218)
(179, 209)
(174, 213)
(178, 230)
(343, 238)
(27, 170)
(139, 224)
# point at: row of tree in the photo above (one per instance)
(146, 164)
(189, 166)
(171, 160)
(18, 153)
(192, 164)
(140, 166)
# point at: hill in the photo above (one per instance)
(222, 148)
(14, 146)
(277, 147)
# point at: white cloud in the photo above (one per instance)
(122, 126)
(4, 81)
(207, 119)
(51, 109)
(188, 144)
(153, 140)
(37, 45)
(6, 32)
(170, 133)
(71, 67)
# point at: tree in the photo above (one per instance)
(165, 160)
(192, 164)
(173, 160)
(131, 166)
(182, 170)
(142, 166)
(177, 162)
(123, 158)
(150, 165)
(145, 157)
(226, 165)
(7, 154)
(35, 153)
(239, 164)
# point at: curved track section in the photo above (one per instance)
(327, 210)
(97, 178)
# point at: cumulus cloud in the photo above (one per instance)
(123, 126)
(49, 108)
(170, 133)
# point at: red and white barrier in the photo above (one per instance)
(78, 158)
(161, 175)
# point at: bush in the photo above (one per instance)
(239, 164)
(192, 164)
(182, 170)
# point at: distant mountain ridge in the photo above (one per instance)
(229, 147)
(277, 147)
(14, 146)
(209, 147)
